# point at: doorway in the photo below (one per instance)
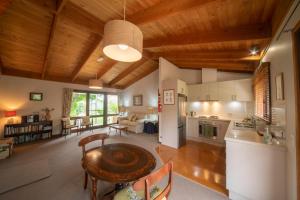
(296, 48)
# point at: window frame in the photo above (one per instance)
(267, 106)
(105, 113)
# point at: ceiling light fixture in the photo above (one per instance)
(254, 50)
(95, 83)
(122, 40)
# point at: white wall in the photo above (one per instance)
(227, 110)
(148, 87)
(280, 54)
(14, 95)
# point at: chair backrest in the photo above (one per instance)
(147, 182)
(91, 138)
(66, 121)
(86, 120)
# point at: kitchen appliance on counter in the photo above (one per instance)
(181, 119)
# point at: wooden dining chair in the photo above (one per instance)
(83, 142)
(145, 188)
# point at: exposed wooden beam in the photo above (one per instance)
(107, 66)
(127, 71)
(51, 36)
(61, 6)
(35, 75)
(241, 33)
(140, 76)
(4, 4)
(85, 57)
(213, 55)
(165, 8)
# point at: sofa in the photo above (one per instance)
(134, 122)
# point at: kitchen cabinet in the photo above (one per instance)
(226, 91)
(244, 90)
(182, 87)
(236, 90)
(209, 91)
(254, 170)
(195, 92)
(192, 127)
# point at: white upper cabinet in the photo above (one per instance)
(237, 90)
(182, 87)
(210, 91)
(244, 90)
(227, 91)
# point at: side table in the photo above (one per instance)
(7, 143)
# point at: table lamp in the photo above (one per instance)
(10, 115)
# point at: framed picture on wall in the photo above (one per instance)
(34, 96)
(279, 87)
(137, 100)
(169, 97)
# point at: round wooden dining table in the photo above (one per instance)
(118, 163)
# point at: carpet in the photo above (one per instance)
(21, 175)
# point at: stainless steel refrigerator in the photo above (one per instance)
(181, 119)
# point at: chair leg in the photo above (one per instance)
(94, 192)
(85, 179)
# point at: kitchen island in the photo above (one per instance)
(254, 169)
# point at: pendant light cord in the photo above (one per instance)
(124, 9)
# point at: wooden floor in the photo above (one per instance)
(200, 162)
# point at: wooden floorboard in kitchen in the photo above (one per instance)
(201, 162)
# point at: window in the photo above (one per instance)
(96, 104)
(96, 108)
(102, 108)
(78, 106)
(112, 104)
(262, 92)
(112, 109)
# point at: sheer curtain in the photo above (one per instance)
(67, 101)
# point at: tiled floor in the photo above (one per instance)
(200, 162)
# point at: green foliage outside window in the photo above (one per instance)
(78, 106)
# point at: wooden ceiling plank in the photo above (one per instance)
(240, 33)
(128, 70)
(163, 9)
(214, 55)
(140, 76)
(51, 36)
(86, 56)
(108, 65)
(78, 17)
(4, 4)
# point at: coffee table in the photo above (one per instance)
(118, 127)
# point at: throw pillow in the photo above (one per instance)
(134, 118)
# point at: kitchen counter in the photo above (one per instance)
(211, 119)
(247, 135)
(261, 165)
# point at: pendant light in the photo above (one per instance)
(122, 40)
(95, 83)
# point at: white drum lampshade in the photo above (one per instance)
(122, 41)
(95, 84)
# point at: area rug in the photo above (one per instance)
(22, 175)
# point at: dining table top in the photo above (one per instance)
(118, 162)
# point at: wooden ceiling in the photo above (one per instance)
(61, 39)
